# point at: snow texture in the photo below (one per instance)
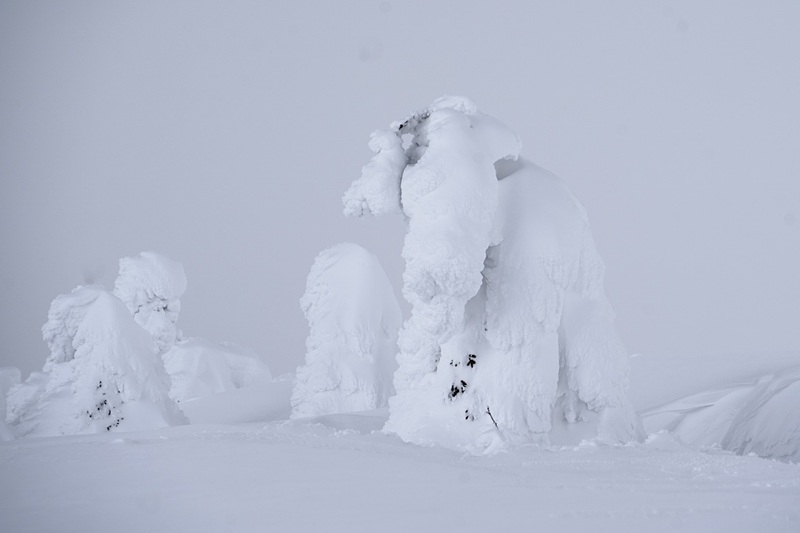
(353, 319)
(102, 373)
(510, 337)
(151, 286)
(198, 368)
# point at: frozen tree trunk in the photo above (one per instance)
(353, 319)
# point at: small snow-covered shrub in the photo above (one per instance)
(510, 336)
(353, 319)
(102, 373)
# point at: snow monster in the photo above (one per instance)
(511, 338)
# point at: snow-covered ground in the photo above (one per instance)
(242, 465)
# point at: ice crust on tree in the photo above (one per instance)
(510, 337)
(102, 374)
(353, 318)
(151, 286)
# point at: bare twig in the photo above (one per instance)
(489, 412)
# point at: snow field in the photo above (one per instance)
(335, 473)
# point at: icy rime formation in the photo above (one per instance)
(151, 286)
(353, 319)
(102, 373)
(510, 336)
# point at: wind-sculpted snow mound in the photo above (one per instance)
(102, 373)
(198, 368)
(759, 416)
(353, 320)
(510, 338)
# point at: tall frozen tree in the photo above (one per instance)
(510, 337)
(353, 319)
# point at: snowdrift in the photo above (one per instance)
(759, 416)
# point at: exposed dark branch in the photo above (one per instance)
(489, 412)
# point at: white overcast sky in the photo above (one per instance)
(222, 134)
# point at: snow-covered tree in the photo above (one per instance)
(151, 286)
(510, 336)
(102, 374)
(353, 319)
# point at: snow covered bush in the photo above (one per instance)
(151, 286)
(353, 319)
(102, 373)
(198, 367)
(510, 337)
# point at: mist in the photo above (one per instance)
(223, 136)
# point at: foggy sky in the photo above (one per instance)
(224, 134)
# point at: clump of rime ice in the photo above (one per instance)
(353, 319)
(510, 337)
(102, 373)
(151, 286)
